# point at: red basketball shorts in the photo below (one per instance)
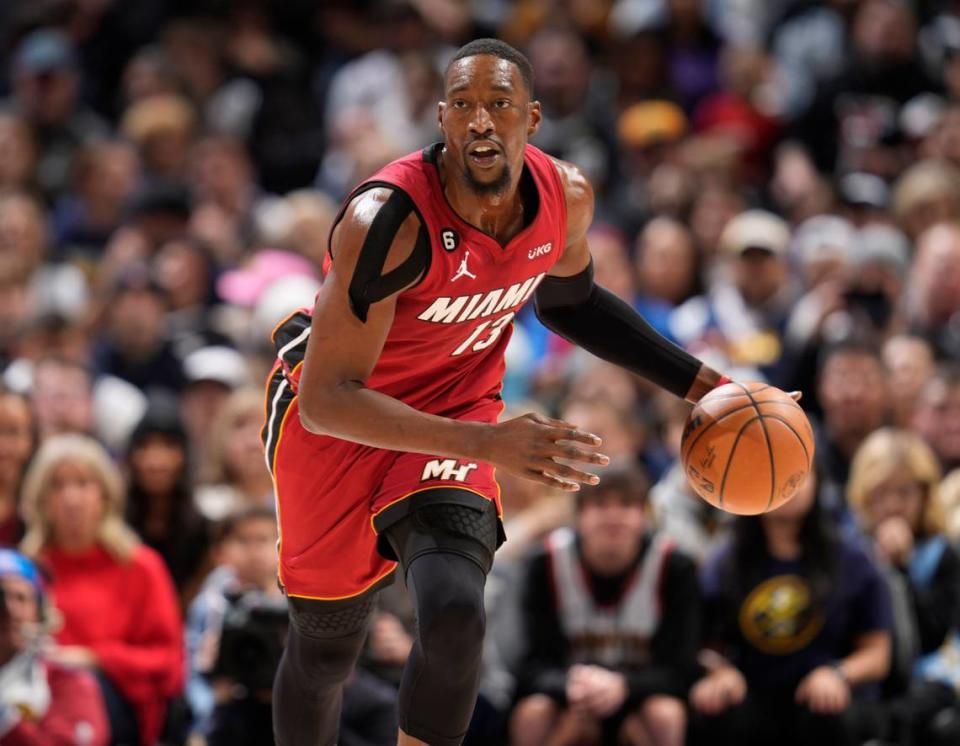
(334, 498)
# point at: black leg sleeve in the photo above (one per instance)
(445, 551)
(323, 644)
(598, 321)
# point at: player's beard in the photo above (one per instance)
(486, 188)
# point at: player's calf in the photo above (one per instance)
(323, 644)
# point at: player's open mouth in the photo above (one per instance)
(483, 155)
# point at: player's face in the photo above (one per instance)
(486, 119)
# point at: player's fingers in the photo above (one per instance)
(559, 423)
(569, 432)
(552, 481)
(796, 395)
(568, 472)
(576, 453)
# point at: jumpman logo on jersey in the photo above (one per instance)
(462, 271)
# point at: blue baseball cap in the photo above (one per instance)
(14, 563)
(45, 51)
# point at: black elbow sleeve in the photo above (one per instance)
(594, 318)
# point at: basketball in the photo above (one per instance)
(746, 448)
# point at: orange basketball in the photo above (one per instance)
(746, 448)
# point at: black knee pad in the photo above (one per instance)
(453, 528)
(326, 620)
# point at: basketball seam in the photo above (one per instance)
(733, 449)
(793, 430)
(766, 437)
(720, 419)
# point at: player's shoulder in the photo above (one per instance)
(578, 196)
(383, 214)
(576, 186)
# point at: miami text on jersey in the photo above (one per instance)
(447, 310)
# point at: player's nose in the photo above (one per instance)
(481, 123)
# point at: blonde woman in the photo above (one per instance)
(236, 474)
(119, 607)
(894, 491)
(950, 499)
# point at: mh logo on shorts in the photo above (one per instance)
(448, 469)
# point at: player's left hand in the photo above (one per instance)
(824, 691)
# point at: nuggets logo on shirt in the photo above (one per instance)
(778, 617)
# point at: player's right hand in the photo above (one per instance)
(530, 446)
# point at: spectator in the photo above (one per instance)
(936, 415)
(62, 395)
(229, 688)
(18, 434)
(236, 473)
(798, 624)
(668, 270)
(950, 497)
(932, 295)
(102, 580)
(212, 374)
(186, 271)
(225, 196)
(744, 311)
(853, 395)
(46, 90)
(852, 123)
(160, 504)
(41, 700)
(135, 345)
(925, 195)
(611, 620)
(18, 153)
(909, 363)
(162, 127)
(893, 490)
(103, 178)
(577, 120)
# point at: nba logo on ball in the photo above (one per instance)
(747, 448)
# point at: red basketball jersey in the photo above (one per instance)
(444, 353)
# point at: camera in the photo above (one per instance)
(252, 639)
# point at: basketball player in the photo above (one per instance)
(382, 430)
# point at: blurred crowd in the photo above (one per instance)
(778, 190)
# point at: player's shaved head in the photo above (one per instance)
(500, 49)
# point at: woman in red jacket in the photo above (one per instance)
(119, 606)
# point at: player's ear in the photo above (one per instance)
(441, 107)
(534, 117)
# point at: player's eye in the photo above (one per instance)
(459, 104)
(502, 103)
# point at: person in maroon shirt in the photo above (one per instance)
(121, 619)
(42, 703)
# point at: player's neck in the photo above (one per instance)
(499, 214)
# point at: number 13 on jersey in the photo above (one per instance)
(484, 335)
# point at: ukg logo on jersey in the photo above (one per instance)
(541, 250)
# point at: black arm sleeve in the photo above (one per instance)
(599, 322)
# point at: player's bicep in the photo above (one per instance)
(373, 263)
